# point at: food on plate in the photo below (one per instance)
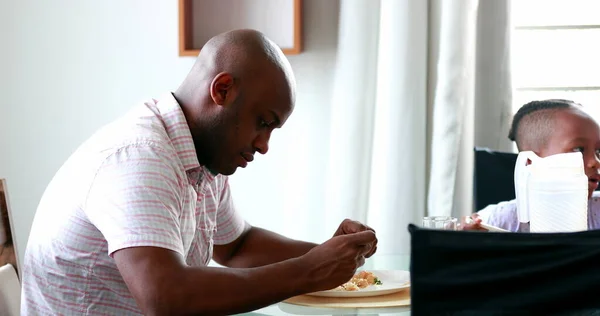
(361, 280)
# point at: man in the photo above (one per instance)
(130, 222)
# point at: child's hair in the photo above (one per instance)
(532, 124)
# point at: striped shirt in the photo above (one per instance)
(504, 215)
(136, 182)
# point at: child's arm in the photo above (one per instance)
(502, 215)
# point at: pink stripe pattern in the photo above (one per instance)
(135, 183)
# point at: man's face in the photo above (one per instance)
(576, 131)
(244, 127)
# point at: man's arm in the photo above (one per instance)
(162, 284)
(258, 247)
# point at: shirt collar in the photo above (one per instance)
(181, 138)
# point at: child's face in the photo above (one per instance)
(574, 130)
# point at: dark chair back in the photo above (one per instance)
(493, 177)
(476, 273)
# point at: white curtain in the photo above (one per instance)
(415, 82)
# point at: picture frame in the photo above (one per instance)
(200, 20)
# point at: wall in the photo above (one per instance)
(65, 70)
(285, 189)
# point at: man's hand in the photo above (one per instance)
(350, 227)
(336, 260)
(162, 284)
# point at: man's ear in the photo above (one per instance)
(222, 89)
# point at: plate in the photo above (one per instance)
(392, 281)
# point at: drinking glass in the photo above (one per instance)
(440, 222)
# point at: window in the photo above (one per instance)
(556, 51)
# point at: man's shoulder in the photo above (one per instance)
(141, 122)
(140, 126)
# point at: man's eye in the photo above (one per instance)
(580, 149)
(263, 123)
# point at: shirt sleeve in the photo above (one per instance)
(230, 224)
(594, 211)
(503, 215)
(136, 200)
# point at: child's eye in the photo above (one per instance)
(580, 149)
(598, 153)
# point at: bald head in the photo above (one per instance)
(240, 88)
(248, 55)
(242, 50)
(535, 122)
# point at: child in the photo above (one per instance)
(550, 127)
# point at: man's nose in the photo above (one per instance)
(261, 144)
